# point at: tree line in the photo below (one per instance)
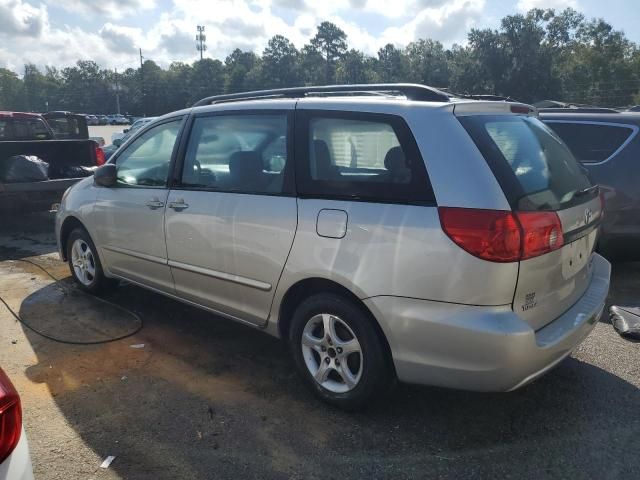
(542, 54)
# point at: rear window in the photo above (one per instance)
(591, 142)
(30, 129)
(534, 167)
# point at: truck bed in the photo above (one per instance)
(59, 154)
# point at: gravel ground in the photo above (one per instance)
(208, 398)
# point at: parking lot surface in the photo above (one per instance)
(105, 131)
(201, 397)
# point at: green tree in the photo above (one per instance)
(427, 63)
(11, 91)
(391, 62)
(280, 63)
(331, 43)
(353, 68)
(208, 79)
(237, 66)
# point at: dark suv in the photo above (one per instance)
(608, 145)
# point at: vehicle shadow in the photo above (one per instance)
(24, 235)
(209, 398)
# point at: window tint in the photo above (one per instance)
(237, 153)
(65, 127)
(30, 130)
(5, 133)
(591, 143)
(534, 167)
(146, 161)
(362, 156)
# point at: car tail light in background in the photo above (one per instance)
(602, 202)
(500, 235)
(100, 158)
(10, 417)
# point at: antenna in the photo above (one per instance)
(201, 39)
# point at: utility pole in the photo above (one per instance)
(26, 89)
(201, 38)
(142, 85)
(117, 93)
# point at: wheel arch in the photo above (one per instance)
(303, 289)
(68, 225)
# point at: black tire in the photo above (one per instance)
(376, 374)
(97, 282)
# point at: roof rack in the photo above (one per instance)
(411, 91)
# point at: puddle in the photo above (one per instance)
(58, 309)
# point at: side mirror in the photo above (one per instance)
(117, 142)
(126, 130)
(106, 175)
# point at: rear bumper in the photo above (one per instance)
(483, 348)
(18, 465)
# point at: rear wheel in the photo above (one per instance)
(338, 351)
(84, 263)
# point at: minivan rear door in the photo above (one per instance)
(538, 173)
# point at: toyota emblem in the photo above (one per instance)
(588, 214)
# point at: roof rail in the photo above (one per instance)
(411, 91)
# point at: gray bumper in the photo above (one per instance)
(483, 348)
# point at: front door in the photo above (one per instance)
(231, 219)
(130, 216)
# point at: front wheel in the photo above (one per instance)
(84, 263)
(338, 351)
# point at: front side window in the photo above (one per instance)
(362, 156)
(237, 153)
(146, 161)
(591, 142)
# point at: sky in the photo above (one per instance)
(110, 32)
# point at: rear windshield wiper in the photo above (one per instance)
(585, 191)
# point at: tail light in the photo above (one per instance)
(10, 417)
(541, 233)
(500, 235)
(100, 158)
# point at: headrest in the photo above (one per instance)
(395, 160)
(321, 151)
(245, 163)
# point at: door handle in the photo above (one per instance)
(154, 203)
(178, 204)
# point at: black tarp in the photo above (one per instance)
(23, 168)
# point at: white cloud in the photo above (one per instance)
(448, 23)
(526, 5)
(21, 18)
(113, 9)
(230, 24)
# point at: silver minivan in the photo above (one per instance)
(384, 231)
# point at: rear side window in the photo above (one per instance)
(244, 153)
(360, 156)
(591, 142)
(534, 167)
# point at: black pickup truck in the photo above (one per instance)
(38, 162)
